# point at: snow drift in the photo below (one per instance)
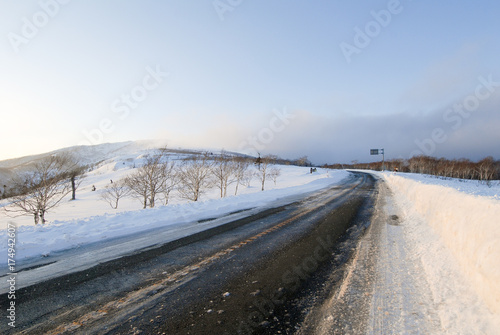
(467, 224)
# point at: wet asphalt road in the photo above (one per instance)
(259, 275)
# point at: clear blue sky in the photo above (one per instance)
(291, 78)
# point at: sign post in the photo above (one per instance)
(379, 152)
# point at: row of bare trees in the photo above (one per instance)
(52, 179)
(195, 175)
(486, 169)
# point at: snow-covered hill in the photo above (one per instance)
(123, 153)
(86, 155)
(93, 154)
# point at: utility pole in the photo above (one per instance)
(383, 159)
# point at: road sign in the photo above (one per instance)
(379, 152)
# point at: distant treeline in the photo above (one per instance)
(485, 169)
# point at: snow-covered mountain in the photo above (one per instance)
(100, 154)
(86, 154)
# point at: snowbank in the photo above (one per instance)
(469, 225)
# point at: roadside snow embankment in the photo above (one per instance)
(469, 226)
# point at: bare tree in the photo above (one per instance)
(137, 182)
(114, 192)
(74, 171)
(154, 171)
(152, 178)
(224, 170)
(241, 172)
(194, 176)
(486, 168)
(263, 171)
(170, 180)
(248, 177)
(303, 161)
(41, 189)
(274, 173)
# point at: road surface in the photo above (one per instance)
(263, 272)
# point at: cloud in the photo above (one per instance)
(344, 138)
